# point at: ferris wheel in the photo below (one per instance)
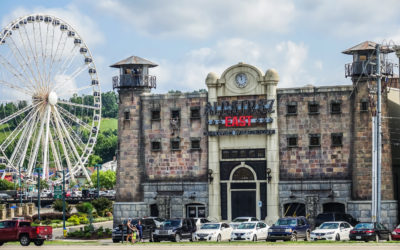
(50, 100)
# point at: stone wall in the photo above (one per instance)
(325, 161)
(124, 210)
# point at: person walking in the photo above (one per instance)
(140, 230)
(129, 231)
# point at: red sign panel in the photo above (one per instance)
(238, 121)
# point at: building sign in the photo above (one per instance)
(245, 107)
(240, 132)
(240, 121)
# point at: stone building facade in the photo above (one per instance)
(247, 147)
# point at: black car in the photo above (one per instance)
(175, 230)
(148, 224)
(325, 217)
(370, 231)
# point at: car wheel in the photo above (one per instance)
(389, 237)
(337, 238)
(255, 238)
(38, 242)
(177, 238)
(24, 240)
(191, 238)
(219, 238)
(293, 237)
(151, 238)
(377, 238)
(156, 240)
(115, 241)
(1, 243)
(308, 237)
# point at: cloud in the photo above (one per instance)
(201, 19)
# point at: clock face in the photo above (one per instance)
(241, 80)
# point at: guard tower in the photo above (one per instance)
(363, 71)
(133, 81)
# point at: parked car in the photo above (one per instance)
(76, 194)
(324, 217)
(239, 220)
(119, 232)
(214, 232)
(175, 230)
(396, 233)
(370, 231)
(22, 231)
(199, 222)
(157, 220)
(332, 230)
(251, 231)
(4, 196)
(290, 228)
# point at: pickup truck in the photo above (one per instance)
(22, 231)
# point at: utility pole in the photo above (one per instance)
(38, 183)
(98, 166)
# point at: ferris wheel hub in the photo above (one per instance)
(52, 98)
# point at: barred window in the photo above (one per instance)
(336, 139)
(291, 108)
(336, 107)
(175, 144)
(156, 145)
(195, 112)
(364, 105)
(155, 115)
(195, 143)
(313, 108)
(292, 141)
(315, 140)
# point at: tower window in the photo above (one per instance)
(195, 112)
(336, 139)
(156, 145)
(175, 114)
(336, 107)
(291, 141)
(126, 115)
(195, 143)
(364, 105)
(313, 108)
(155, 115)
(175, 144)
(291, 108)
(315, 140)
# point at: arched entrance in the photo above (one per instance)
(294, 209)
(243, 192)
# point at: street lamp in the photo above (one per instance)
(98, 166)
(63, 196)
(38, 183)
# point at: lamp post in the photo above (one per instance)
(63, 197)
(98, 166)
(19, 183)
(38, 183)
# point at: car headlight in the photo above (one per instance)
(171, 231)
(394, 233)
(270, 230)
(288, 230)
(211, 234)
(312, 233)
(248, 233)
(331, 232)
(156, 231)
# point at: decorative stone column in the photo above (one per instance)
(271, 79)
(31, 207)
(25, 209)
(10, 213)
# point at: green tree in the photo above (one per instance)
(84, 207)
(94, 159)
(6, 185)
(102, 205)
(106, 145)
(58, 206)
(43, 185)
(109, 104)
(107, 178)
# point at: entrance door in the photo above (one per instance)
(243, 203)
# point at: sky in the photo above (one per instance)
(301, 39)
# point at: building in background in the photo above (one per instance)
(248, 148)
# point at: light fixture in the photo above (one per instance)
(269, 176)
(210, 175)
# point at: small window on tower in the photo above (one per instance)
(155, 115)
(291, 141)
(195, 143)
(313, 108)
(336, 107)
(175, 144)
(364, 105)
(195, 112)
(315, 140)
(291, 108)
(336, 139)
(127, 115)
(175, 114)
(156, 145)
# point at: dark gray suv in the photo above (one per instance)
(175, 230)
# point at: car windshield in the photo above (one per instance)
(329, 226)
(210, 226)
(172, 223)
(247, 226)
(240, 220)
(286, 222)
(398, 227)
(325, 217)
(364, 226)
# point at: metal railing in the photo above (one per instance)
(134, 80)
(368, 68)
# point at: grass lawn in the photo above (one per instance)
(108, 123)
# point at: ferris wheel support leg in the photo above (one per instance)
(55, 154)
(46, 146)
(61, 137)
(36, 148)
(74, 148)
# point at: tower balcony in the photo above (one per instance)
(134, 81)
(368, 68)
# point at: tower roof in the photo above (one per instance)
(366, 46)
(133, 60)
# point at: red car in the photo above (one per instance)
(22, 231)
(396, 233)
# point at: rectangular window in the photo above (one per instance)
(225, 154)
(234, 154)
(175, 144)
(313, 108)
(364, 105)
(156, 145)
(243, 153)
(127, 115)
(195, 143)
(175, 114)
(291, 108)
(315, 140)
(336, 107)
(252, 153)
(260, 153)
(155, 115)
(291, 141)
(195, 112)
(336, 139)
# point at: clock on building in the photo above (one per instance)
(241, 80)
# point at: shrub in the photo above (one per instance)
(58, 206)
(83, 219)
(102, 204)
(74, 219)
(88, 235)
(100, 233)
(85, 207)
(51, 216)
(47, 221)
